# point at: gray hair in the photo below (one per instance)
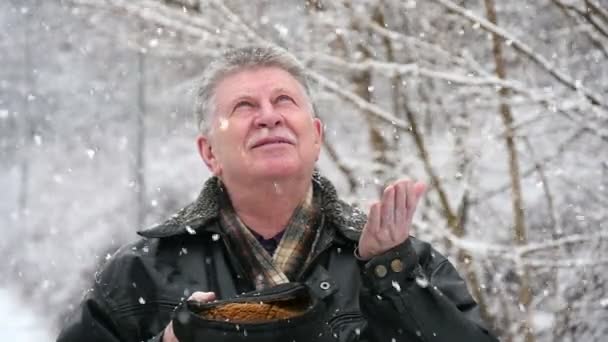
(239, 59)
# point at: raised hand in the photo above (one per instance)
(389, 221)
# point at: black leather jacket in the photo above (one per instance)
(410, 293)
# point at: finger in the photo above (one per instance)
(202, 297)
(400, 204)
(373, 220)
(411, 196)
(387, 206)
(418, 189)
(387, 218)
(369, 237)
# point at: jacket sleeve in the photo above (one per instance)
(91, 321)
(407, 297)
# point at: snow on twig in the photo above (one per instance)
(526, 50)
(392, 69)
(521, 254)
(398, 36)
(251, 34)
(565, 263)
(566, 240)
(152, 11)
(358, 100)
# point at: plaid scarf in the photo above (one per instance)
(292, 252)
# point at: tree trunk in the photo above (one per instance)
(25, 121)
(525, 291)
(139, 146)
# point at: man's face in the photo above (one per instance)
(262, 127)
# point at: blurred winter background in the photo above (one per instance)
(501, 105)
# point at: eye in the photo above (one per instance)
(282, 98)
(243, 104)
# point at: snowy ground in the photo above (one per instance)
(17, 323)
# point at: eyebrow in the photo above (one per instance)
(281, 90)
(240, 98)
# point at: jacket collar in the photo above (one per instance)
(196, 218)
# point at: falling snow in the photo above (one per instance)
(396, 286)
(422, 281)
(423, 103)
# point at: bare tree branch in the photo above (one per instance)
(391, 69)
(595, 40)
(526, 50)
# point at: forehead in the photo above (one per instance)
(256, 81)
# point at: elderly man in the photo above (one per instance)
(266, 217)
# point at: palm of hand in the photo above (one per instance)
(389, 221)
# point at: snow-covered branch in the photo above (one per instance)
(391, 69)
(526, 50)
(521, 254)
(357, 100)
(156, 12)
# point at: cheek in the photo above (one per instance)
(230, 143)
(313, 130)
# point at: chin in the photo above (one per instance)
(277, 168)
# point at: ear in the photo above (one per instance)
(205, 150)
(318, 131)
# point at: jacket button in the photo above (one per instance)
(381, 271)
(397, 265)
(324, 285)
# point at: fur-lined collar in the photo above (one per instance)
(195, 217)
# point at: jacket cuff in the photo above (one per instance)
(391, 269)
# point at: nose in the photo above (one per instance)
(268, 117)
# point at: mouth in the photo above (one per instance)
(271, 141)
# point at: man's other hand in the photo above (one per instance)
(203, 297)
(389, 221)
